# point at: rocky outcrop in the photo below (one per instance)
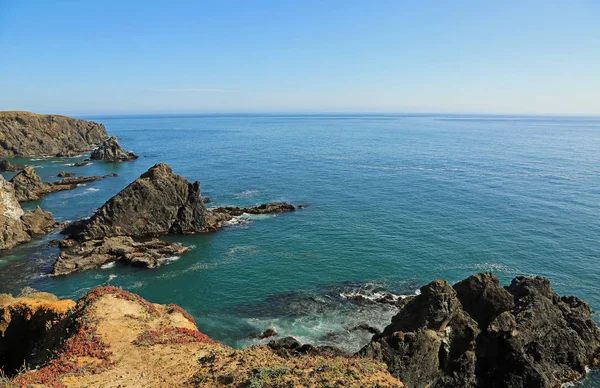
(112, 337)
(159, 202)
(17, 226)
(111, 151)
(65, 174)
(96, 253)
(30, 187)
(6, 166)
(218, 216)
(30, 134)
(478, 334)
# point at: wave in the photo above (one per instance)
(108, 265)
(246, 193)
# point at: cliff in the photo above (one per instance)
(30, 134)
(17, 226)
(114, 338)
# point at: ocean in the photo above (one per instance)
(392, 202)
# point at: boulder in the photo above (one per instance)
(30, 134)
(478, 334)
(111, 151)
(7, 166)
(65, 174)
(96, 253)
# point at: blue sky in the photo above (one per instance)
(118, 57)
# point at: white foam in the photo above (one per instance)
(112, 276)
(246, 193)
(108, 265)
(171, 258)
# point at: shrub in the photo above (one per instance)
(171, 335)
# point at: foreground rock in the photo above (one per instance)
(17, 226)
(96, 253)
(115, 338)
(478, 334)
(30, 134)
(7, 166)
(111, 151)
(30, 187)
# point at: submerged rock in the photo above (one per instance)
(65, 174)
(111, 151)
(478, 334)
(17, 226)
(96, 253)
(30, 134)
(81, 164)
(7, 166)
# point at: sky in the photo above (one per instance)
(311, 56)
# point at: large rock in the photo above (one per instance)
(30, 134)
(17, 226)
(158, 202)
(111, 151)
(477, 334)
(96, 253)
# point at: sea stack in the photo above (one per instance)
(111, 151)
(31, 134)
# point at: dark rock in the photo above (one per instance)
(65, 174)
(30, 134)
(268, 333)
(81, 164)
(171, 205)
(477, 334)
(7, 166)
(219, 215)
(38, 222)
(367, 328)
(111, 151)
(95, 253)
(70, 181)
(286, 343)
(206, 200)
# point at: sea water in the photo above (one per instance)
(392, 202)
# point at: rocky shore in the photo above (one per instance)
(473, 334)
(111, 151)
(30, 134)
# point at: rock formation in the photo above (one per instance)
(113, 337)
(29, 186)
(158, 203)
(65, 174)
(478, 334)
(95, 253)
(111, 151)
(30, 134)
(17, 226)
(7, 166)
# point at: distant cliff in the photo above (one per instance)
(30, 134)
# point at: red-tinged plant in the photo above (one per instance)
(172, 335)
(173, 307)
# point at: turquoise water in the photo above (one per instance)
(393, 202)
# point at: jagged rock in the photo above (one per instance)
(111, 151)
(268, 333)
(17, 226)
(65, 174)
(366, 327)
(157, 203)
(81, 164)
(265, 208)
(477, 334)
(95, 253)
(7, 166)
(30, 134)
(29, 186)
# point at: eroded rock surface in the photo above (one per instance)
(95, 253)
(30, 134)
(478, 334)
(111, 151)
